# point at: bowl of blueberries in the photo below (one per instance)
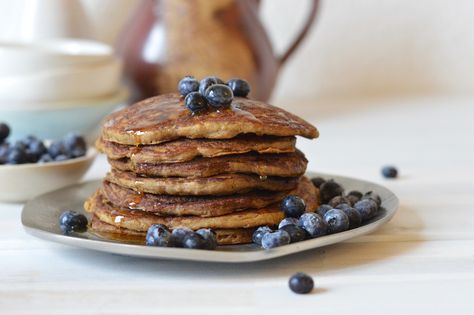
(30, 166)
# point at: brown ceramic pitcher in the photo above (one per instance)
(168, 39)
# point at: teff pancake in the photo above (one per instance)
(163, 118)
(204, 206)
(213, 185)
(183, 149)
(285, 165)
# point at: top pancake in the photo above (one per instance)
(164, 118)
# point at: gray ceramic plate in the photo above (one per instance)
(40, 218)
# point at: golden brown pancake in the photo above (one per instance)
(224, 236)
(203, 206)
(183, 149)
(214, 185)
(164, 118)
(284, 165)
(140, 220)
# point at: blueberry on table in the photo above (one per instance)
(337, 221)
(207, 82)
(4, 132)
(373, 196)
(178, 235)
(187, 85)
(210, 238)
(288, 221)
(74, 145)
(71, 221)
(293, 206)
(259, 233)
(158, 235)
(195, 102)
(329, 190)
(313, 224)
(318, 181)
(301, 283)
(219, 95)
(239, 87)
(322, 209)
(275, 239)
(194, 241)
(296, 233)
(367, 208)
(389, 172)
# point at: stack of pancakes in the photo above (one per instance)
(227, 170)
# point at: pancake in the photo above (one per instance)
(214, 185)
(224, 236)
(203, 206)
(284, 165)
(140, 220)
(164, 118)
(183, 150)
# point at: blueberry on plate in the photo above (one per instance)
(293, 206)
(355, 219)
(74, 145)
(195, 102)
(334, 202)
(239, 87)
(367, 208)
(337, 221)
(313, 224)
(194, 241)
(61, 157)
(178, 235)
(17, 156)
(288, 221)
(373, 196)
(296, 233)
(71, 221)
(4, 150)
(329, 190)
(207, 82)
(4, 132)
(355, 193)
(259, 233)
(45, 158)
(56, 148)
(37, 148)
(318, 181)
(157, 235)
(301, 283)
(389, 172)
(187, 85)
(219, 95)
(210, 238)
(275, 239)
(322, 209)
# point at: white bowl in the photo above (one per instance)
(17, 58)
(63, 84)
(54, 120)
(26, 181)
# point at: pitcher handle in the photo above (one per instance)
(304, 31)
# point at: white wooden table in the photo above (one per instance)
(422, 262)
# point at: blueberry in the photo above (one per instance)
(20, 145)
(258, 234)
(4, 150)
(195, 102)
(275, 239)
(207, 82)
(194, 241)
(45, 158)
(338, 200)
(178, 235)
(293, 206)
(74, 145)
(71, 221)
(373, 196)
(355, 193)
(313, 224)
(61, 157)
(322, 209)
(17, 156)
(4, 132)
(210, 238)
(158, 235)
(56, 148)
(296, 233)
(355, 219)
(329, 190)
(318, 181)
(37, 148)
(187, 85)
(343, 206)
(301, 283)
(367, 208)
(389, 172)
(337, 221)
(288, 221)
(219, 95)
(239, 87)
